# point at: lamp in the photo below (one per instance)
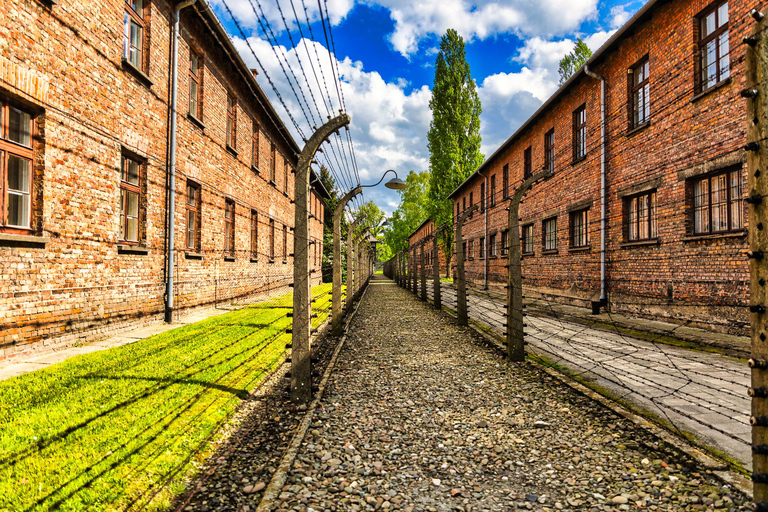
(395, 183)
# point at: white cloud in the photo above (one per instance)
(415, 21)
(389, 120)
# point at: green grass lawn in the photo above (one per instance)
(124, 427)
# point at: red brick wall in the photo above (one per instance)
(698, 279)
(79, 283)
(425, 231)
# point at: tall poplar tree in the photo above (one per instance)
(454, 133)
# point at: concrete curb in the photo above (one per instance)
(281, 474)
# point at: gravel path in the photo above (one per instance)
(420, 414)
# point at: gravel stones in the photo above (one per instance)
(437, 421)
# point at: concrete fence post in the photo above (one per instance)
(301, 364)
(423, 287)
(515, 325)
(461, 286)
(336, 326)
(757, 164)
(436, 299)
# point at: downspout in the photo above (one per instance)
(172, 158)
(603, 207)
(484, 200)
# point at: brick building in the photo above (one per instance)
(674, 168)
(425, 231)
(85, 99)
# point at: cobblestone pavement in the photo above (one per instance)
(421, 414)
(701, 393)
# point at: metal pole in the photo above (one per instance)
(336, 293)
(757, 160)
(515, 326)
(301, 364)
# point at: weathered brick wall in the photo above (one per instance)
(79, 282)
(702, 279)
(425, 231)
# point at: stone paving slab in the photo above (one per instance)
(422, 414)
(701, 393)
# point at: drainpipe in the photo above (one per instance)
(172, 158)
(603, 208)
(484, 200)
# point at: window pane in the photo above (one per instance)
(130, 171)
(19, 126)
(719, 203)
(194, 63)
(708, 24)
(191, 220)
(709, 64)
(193, 98)
(136, 5)
(653, 215)
(736, 203)
(642, 217)
(722, 14)
(632, 219)
(135, 50)
(701, 206)
(19, 176)
(129, 210)
(725, 61)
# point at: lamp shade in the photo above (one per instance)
(395, 184)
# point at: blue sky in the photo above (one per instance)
(385, 54)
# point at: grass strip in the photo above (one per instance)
(125, 427)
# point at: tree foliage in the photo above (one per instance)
(574, 60)
(454, 133)
(411, 212)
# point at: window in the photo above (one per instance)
(254, 235)
(641, 216)
(505, 180)
(17, 155)
(229, 227)
(231, 121)
(285, 175)
(717, 203)
(471, 249)
(714, 60)
(272, 164)
(482, 247)
(549, 232)
(133, 33)
(285, 243)
(639, 95)
(193, 217)
(579, 228)
(549, 151)
(464, 207)
(464, 250)
(492, 246)
(471, 200)
(527, 164)
(505, 242)
(527, 239)
(131, 175)
(482, 196)
(580, 133)
(493, 191)
(195, 90)
(271, 239)
(255, 146)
